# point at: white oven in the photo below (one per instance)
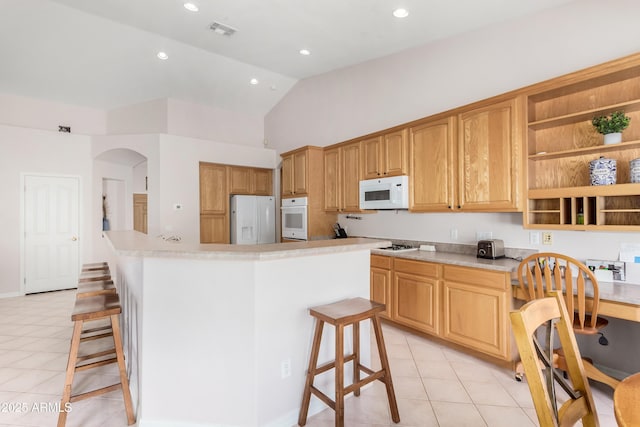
(294, 218)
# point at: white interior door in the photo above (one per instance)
(51, 210)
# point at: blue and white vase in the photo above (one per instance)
(634, 171)
(603, 171)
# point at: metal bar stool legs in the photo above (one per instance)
(341, 314)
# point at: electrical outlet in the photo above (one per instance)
(177, 207)
(534, 237)
(547, 238)
(285, 368)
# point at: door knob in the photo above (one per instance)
(74, 238)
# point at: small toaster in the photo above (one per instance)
(490, 249)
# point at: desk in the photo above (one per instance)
(625, 401)
(620, 300)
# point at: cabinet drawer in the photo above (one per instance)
(476, 276)
(381, 261)
(420, 268)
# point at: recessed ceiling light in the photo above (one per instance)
(191, 7)
(305, 52)
(401, 13)
(254, 81)
(162, 55)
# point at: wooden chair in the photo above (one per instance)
(526, 322)
(547, 271)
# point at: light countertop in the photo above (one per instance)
(133, 243)
(466, 260)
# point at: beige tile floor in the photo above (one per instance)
(435, 385)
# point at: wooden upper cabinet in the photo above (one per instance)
(432, 166)
(332, 180)
(214, 194)
(351, 174)
(248, 180)
(490, 157)
(342, 178)
(262, 182)
(239, 180)
(295, 173)
(385, 155)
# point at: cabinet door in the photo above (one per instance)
(287, 176)
(332, 180)
(371, 151)
(476, 303)
(489, 157)
(214, 195)
(239, 180)
(140, 212)
(416, 301)
(351, 176)
(262, 182)
(381, 288)
(300, 173)
(380, 282)
(214, 229)
(394, 153)
(432, 166)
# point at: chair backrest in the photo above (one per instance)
(548, 271)
(525, 322)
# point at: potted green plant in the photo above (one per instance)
(611, 126)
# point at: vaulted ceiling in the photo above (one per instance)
(102, 53)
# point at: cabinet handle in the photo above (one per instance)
(449, 207)
(459, 207)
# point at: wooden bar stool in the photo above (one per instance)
(94, 276)
(91, 289)
(95, 266)
(340, 314)
(88, 309)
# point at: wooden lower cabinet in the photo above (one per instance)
(381, 282)
(416, 295)
(476, 303)
(214, 228)
(464, 305)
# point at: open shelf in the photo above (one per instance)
(628, 145)
(581, 116)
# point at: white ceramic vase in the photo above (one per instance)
(612, 138)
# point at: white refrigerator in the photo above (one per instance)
(253, 219)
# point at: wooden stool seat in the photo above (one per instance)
(91, 289)
(106, 306)
(340, 314)
(94, 276)
(93, 266)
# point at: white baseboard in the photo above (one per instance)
(10, 295)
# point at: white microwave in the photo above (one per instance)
(385, 193)
(294, 218)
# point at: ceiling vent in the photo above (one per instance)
(222, 29)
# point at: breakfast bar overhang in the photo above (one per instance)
(220, 334)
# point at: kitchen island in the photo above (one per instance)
(220, 334)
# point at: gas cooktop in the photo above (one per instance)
(399, 248)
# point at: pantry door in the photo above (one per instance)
(51, 224)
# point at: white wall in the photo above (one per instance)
(176, 117)
(46, 115)
(215, 124)
(35, 151)
(416, 83)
